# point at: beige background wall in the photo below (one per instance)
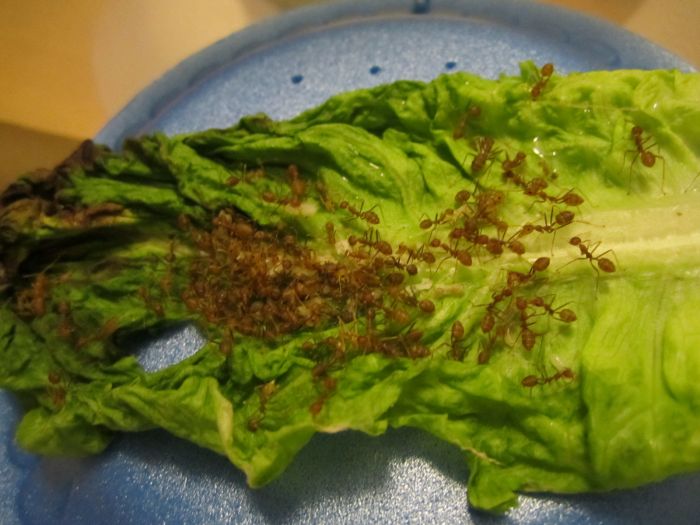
(67, 66)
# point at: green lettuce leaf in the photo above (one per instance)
(561, 357)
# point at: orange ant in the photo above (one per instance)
(316, 407)
(372, 240)
(536, 189)
(456, 337)
(545, 74)
(57, 388)
(484, 153)
(472, 112)
(32, 300)
(39, 291)
(265, 393)
(569, 198)
(603, 263)
(444, 217)
(487, 348)
(516, 279)
(409, 342)
(419, 254)
(517, 161)
(368, 216)
(324, 196)
(487, 204)
(532, 381)
(463, 256)
(645, 155)
(296, 185)
(527, 336)
(566, 315)
(330, 233)
(66, 327)
(226, 344)
(551, 224)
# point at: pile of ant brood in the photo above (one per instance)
(261, 283)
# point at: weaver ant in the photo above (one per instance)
(545, 74)
(532, 381)
(645, 155)
(509, 165)
(456, 337)
(603, 263)
(566, 315)
(471, 113)
(296, 185)
(368, 216)
(484, 153)
(444, 217)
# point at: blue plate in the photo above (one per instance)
(282, 67)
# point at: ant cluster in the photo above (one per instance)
(266, 283)
(516, 314)
(475, 228)
(512, 312)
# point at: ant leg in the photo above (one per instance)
(635, 154)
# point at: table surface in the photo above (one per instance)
(68, 67)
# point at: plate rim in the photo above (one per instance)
(160, 94)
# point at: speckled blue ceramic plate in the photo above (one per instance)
(281, 67)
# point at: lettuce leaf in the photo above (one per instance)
(569, 365)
